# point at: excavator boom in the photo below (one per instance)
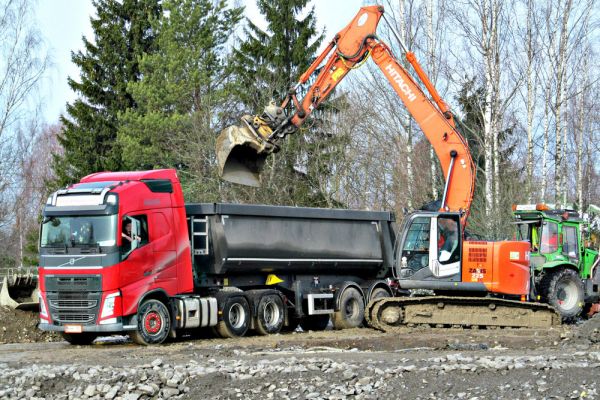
(242, 150)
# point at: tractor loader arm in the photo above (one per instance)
(242, 150)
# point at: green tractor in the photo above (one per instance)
(565, 269)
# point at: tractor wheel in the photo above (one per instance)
(352, 310)
(153, 323)
(236, 318)
(314, 322)
(79, 338)
(563, 290)
(270, 315)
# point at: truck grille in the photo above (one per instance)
(78, 318)
(74, 299)
(69, 304)
(86, 283)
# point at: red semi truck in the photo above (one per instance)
(122, 252)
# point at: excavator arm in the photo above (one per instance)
(242, 150)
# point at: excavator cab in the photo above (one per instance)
(430, 250)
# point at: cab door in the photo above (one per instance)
(430, 249)
(137, 255)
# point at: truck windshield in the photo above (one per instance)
(72, 231)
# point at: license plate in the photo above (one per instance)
(73, 329)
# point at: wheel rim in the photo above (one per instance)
(237, 316)
(271, 314)
(153, 322)
(567, 294)
(351, 308)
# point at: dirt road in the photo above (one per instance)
(413, 363)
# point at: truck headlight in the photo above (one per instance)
(108, 308)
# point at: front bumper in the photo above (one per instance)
(108, 328)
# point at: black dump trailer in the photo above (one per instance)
(321, 262)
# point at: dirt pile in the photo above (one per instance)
(21, 327)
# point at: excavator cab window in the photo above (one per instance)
(415, 251)
(448, 240)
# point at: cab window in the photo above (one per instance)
(570, 248)
(549, 242)
(134, 232)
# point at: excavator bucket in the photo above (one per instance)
(20, 291)
(241, 155)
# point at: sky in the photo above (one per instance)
(63, 23)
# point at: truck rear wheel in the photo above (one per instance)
(236, 318)
(563, 290)
(153, 323)
(79, 338)
(314, 322)
(270, 315)
(379, 293)
(352, 310)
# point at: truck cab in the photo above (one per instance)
(564, 267)
(98, 255)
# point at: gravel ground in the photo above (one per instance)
(414, 363)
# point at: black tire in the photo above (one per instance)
(84, 338)
(352, 310)
(153, 323)
(270, 315)
(314, 322)
(563, 290)
(292, 320)
(235, 318)
(379, 293)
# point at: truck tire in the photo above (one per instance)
(235, 318)
(153, 323)
(314, 322)
(563, 290)
(270, 315)
(293, 322)
(352, 310)
(379, 293)
(79, 338)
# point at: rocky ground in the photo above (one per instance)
(21, 327)
(417, 363)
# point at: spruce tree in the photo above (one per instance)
(267, 63)
(122, 34)
(182, 95)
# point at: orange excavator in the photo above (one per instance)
(475, 283)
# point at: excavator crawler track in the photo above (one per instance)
(388, 314)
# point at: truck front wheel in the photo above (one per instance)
(153, 323)
(270, 315)
(236, 318)
(563, 289)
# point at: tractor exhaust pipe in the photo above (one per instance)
(241, 155)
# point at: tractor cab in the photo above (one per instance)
(556, 236)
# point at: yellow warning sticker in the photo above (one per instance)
(338, 73)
